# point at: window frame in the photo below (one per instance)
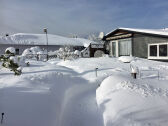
(158, 55)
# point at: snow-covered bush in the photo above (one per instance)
(35, 53)
(35, 49)
(77, 54)
(63, 53)
(10, 51)
(66, 54)
(27, 53)
(11, 61)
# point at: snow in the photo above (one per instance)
(40, 39)
(27, 52)
(77, 52)
(128, 102)
(10, 49)
(126, 59)
(14, 59)
(68, 93)
(163, 32)
(101, 35)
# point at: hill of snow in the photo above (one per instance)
(40, 39)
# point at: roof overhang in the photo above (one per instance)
(132, 32)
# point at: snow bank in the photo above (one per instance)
(63, 93)
(47, 95)
(126, 102)
(126, 59)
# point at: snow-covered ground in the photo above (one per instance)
(70, 93)
(40, 39)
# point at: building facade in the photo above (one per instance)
(143, 43)
(19, 48)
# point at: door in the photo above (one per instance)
(125, 47)
(114, 48)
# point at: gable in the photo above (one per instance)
(118, 34)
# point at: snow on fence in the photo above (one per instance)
(144, 73)
(149, 73)
(40, 57)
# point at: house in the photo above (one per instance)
(22, 41)
(143, 43)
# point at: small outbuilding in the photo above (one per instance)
(143, 43)
(94, 50)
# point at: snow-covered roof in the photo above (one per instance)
(163, 32)
(40, 39)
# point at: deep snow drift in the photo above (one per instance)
(48, 95)
(68, 93)
(125, 101)
(40, 39)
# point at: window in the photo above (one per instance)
(158, 51)
(163, 50)
(153, 50)
(17, 51)
(125, 47)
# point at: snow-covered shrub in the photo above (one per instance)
(11, 61)
(63, 53)
(27, 53)
(66, 54)
(35, 49)
(10, 51)
(21, 60)
(77, 54)
(35, 53)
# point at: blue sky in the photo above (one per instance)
(66, 17)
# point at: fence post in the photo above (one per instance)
(96, 71)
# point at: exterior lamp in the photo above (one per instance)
(45, 31)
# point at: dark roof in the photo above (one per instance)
(154, 32)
